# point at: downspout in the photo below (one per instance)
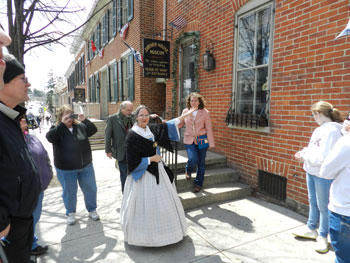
(164, 20)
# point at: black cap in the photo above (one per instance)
(13, 68)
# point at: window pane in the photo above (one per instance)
(188, 71)
(246, 41)
(245, 91)
(261, 90)
(263, 36)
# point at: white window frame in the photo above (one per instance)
(251, 7)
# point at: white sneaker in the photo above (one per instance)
(321, 245)
(306, 233)
(71, 219)
(94, 216)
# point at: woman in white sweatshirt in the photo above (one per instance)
(337, 166)
(322, 141)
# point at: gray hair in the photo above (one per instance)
(124, 104)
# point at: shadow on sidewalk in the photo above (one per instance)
(184, 251)
(87, 248)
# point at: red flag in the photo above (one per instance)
(124, 31)
(93, 47)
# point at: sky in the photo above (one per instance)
(40, 61)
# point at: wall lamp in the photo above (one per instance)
(208, 58)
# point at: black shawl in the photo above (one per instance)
(138, 147)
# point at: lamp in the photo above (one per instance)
(208, 59)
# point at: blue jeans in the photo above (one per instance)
(123, 170)
(87, 183)
(36, 217)
(196, 157)
(339, 230)
(318, 189)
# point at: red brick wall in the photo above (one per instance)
(308, 66)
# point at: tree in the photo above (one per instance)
(50, 13)
(51, 85)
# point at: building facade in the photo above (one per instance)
(259, 64)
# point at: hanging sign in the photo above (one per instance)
(79, 95)
(156, 58)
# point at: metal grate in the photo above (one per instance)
(272, 185)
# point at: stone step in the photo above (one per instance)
(218, 193)
(97, 147)
(212, 160)
(96, 141)
(211, 177)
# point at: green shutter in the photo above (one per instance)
(131, 77)
(119, 15)
(108, 85)
(93, 91)
(120, 80)
(114, 14)
(130, 10)
(115, 81)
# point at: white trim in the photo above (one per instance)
(125, 53)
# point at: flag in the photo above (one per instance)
(345, 32)
(137, 55)
(124, 31)
(101, 53)
(93, 47)
(178, 23)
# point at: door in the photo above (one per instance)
(187, 76)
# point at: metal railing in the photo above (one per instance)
(170, 158)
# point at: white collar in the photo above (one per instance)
(11, 113)
(144, 132)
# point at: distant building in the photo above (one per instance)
(273, 60)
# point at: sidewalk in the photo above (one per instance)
(249, 230)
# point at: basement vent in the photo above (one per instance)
(272, 185)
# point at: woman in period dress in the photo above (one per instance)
(151, 212)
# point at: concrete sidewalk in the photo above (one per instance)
(249, 230)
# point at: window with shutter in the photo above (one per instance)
(131, 77)
(130, 9)
(114, 18)
(120, 79)
(115, 82)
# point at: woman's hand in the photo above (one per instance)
(66, 120)
(81, 117)
(298, 156)
(155, 158)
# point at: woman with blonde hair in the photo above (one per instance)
(198, 137)
(73, 160)
(322, 141)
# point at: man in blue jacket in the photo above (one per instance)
(20, 183)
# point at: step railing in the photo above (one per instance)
(170, 158)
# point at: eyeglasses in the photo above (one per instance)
(25, 80)
(143, 116)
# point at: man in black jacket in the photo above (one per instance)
(20, 183)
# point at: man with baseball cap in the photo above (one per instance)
(20, 183)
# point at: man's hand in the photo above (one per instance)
(109, 155)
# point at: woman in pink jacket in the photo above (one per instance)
(198, 137)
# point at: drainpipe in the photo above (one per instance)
(164, 21)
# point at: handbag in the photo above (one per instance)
(202, 142)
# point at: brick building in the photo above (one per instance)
(273, 60)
